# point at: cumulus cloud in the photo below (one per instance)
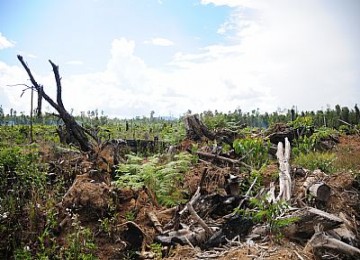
(160, 42)
(274, 54)
(296, 51)
(5, 43)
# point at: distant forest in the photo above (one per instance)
(330, 117)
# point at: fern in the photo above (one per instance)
(163, 179)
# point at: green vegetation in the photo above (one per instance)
(254, 151)
(316, 160)
(29, 218)
(161, 176)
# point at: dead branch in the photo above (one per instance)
(153, 218)
(199, 220)
(72, 126)
(218, 157)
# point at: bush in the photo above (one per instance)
(316, 160)
(254, 151)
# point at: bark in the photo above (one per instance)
(72, 127)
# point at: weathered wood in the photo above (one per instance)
(156, 223)
(305, 221)
(322, 241)
(218, 157)
(199, 220)
(284, 175)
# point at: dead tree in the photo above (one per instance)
(197, 130)
(71, 125)
(39, 106)
(284, 175)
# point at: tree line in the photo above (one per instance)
(330, 117)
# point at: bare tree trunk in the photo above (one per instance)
(284, 175)
(39, 103)
(71, 125)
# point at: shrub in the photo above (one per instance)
(253, 150)
(316, 160)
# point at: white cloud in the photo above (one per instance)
(75, 62)
(276, 54)
(160, 42)
(5, 43)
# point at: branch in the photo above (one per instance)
(36, 85)
(58, 83)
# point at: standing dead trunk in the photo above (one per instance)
(39, 103)
(71, 125)
(284, 175)
(196, 130)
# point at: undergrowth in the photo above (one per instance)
(316, 160)
(162, 177)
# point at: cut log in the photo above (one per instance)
(305, 221)
(320, 191)
(284, 175)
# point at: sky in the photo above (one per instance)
(128, 58)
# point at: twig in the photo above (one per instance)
(298, 255)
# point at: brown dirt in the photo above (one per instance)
(345, 197)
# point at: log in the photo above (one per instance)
(305, 221)
(320, 191)
(321, 241)
(284, 175)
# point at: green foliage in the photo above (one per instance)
(253, 150)
(316, 160)
(163, 178)
(268, 212)
(307, 144)
(303, 121)
(156, 248)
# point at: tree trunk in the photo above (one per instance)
(72, 127)
(196, 130)
(284, 175)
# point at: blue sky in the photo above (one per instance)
(130, 57)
